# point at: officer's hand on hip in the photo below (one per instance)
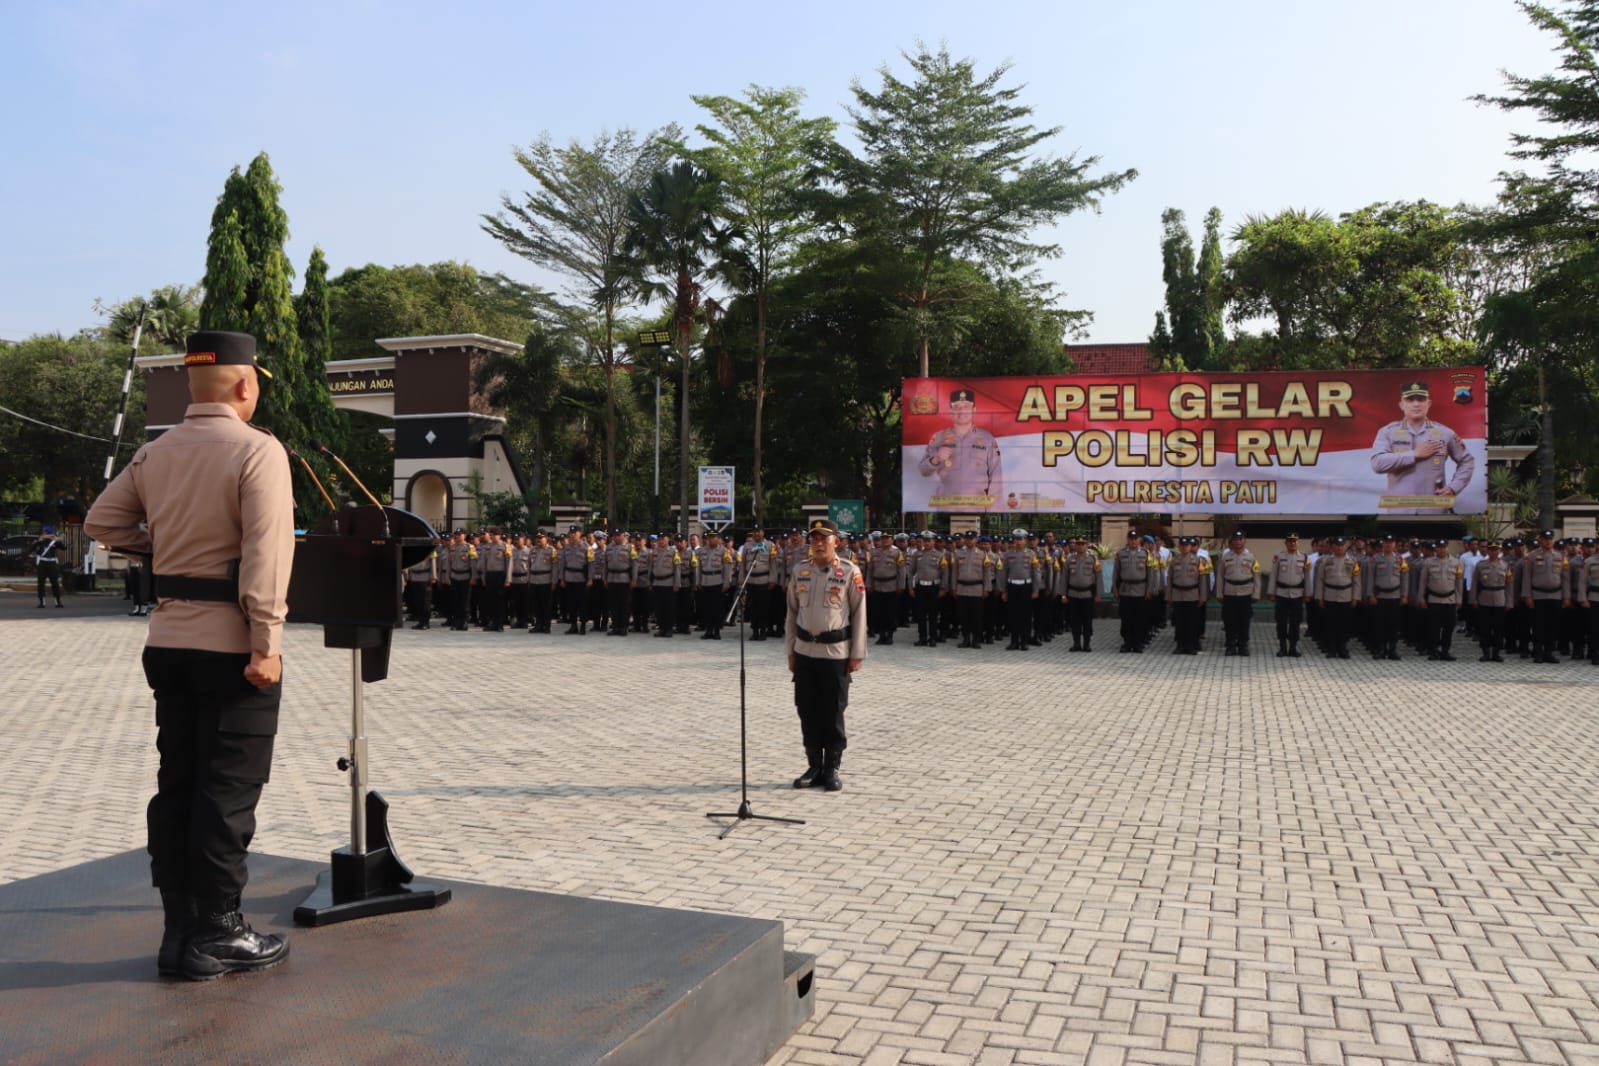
(854, 665)
(264, 671)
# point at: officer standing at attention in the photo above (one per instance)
(541, 581)
(621, 565)
(1545, 589)
(1239, 580)
(1491, 599)
(1188, 590)
(759, 572)
(1285, 587)
(885, 577)
(714, 564)
(928, 579)
(1387, 593)
(577, 562)
(493, 573)
(217, 508)
(1022, 580)
(1585, 588)
(1081, 571)
(1131, 574)
(826, 642)
(420, 577)
(46, 553)
(663, 566)
(972, 573)
(1337, 576)
(463, 562)
(1442, 589)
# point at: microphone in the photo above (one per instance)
(314, 479)
(318, 446)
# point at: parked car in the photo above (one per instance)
(14, 555)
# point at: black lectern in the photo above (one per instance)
(346, 578)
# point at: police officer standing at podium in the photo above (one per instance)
(217, 503)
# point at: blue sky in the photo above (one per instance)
(390, 125)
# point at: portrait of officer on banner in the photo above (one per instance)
(1426, 462)
(963, 460)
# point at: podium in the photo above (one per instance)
(346, 578)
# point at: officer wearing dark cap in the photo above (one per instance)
(1492, 597)
(826, 643)
(963, 458)
(1337, 577)
(1545, 588)
(759, 571)
(1132, 582)
(46, 552)
(1238, 583)
(1286, 581)
(211, 501)
(1387, 587)
(1188, 590)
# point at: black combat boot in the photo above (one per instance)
(831, 759)
(178, 909)
(223, 942)
(1282, 649)
(811, 778)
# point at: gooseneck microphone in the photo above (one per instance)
(318, 446)
(314, 479)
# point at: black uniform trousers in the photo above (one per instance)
(1335, 626)
(577, 596)
(924, 604)
(1545, 627)
(541, 606)
(757, 605)
(969, 612)
(1018, 610)
(710, 608)
(1185, 623)
(663, 601)
(821, 693)
(1490, 623)
(1440, 626)
(214, 733)
(1236, 612)
(1131, 609)
(50, 570)
(460, 600)
(882, 611)
(1080, 616)
(419, 600)
(1389, 613)
(685, 608)
(491, 611)
(617, 593)
(520, 603)
(1289, 613)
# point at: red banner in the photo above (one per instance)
(1355, 442)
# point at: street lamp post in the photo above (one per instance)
(659, 339)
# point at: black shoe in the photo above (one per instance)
(1125, 648)
(1550, 659)
(1434, 657)
(178, 910)
(1445, 657)
(1500, 658)
(829, 776)
(1034, 642)
(1282, 653)
(1343, 653)
(41, 605)
(1293, 651)
(1231, 651)
(813, 771)
(920, 644)
(223, 942)
(1485, 658)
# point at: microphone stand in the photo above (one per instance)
(744, 812)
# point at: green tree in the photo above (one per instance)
(947, 170)
(1179, 340)
(1549, 330)
(171, 313)
(1212, 281)
(248, 288)
(573, 222)
(672, 239)
(319, 416)
(370, 302)
(60, 396)
(761, 151)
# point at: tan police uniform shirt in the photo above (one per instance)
(211, 489)
(822, 599)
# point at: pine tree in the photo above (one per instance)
(1211, 276)
(321, 418)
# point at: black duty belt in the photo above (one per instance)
(1185, 588)
(579, 571)
(1491, 588)
(974, 581)
(1286, 585)
(1431, 595)
(1080, 588)
(832, 636)
(211, 589)
(1330, 585)
(624, 570)
(1236, 581)
(1387, 588)
(1556, 588)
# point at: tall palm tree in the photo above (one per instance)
(672, 240)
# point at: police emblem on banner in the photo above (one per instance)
(1462, 384)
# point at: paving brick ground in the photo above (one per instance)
(1039, 858)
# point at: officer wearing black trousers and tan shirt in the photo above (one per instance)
(212, 501)
(826, 643)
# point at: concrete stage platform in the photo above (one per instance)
(495, 976)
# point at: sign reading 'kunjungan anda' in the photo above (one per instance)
(1355, 442)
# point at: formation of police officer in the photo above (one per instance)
(1532, 598)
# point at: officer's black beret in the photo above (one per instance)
(216, 347)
